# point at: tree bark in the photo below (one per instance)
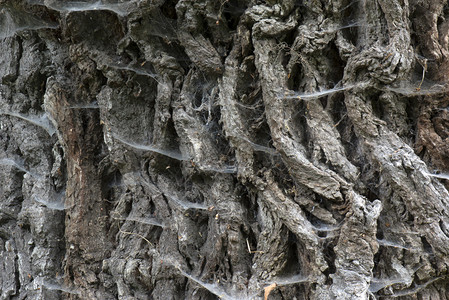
(234, 149)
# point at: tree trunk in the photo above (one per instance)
(234, 149)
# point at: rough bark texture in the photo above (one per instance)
(185, 149)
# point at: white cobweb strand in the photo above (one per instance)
(313, 95)
(39, 120)
(169, 153)
(121, 9)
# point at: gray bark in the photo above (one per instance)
(235, 149)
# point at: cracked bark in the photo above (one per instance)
(203, 149)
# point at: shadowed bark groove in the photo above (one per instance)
(234, 149)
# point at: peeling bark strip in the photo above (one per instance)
(85, 218)
(233, 149)
(358, 235)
